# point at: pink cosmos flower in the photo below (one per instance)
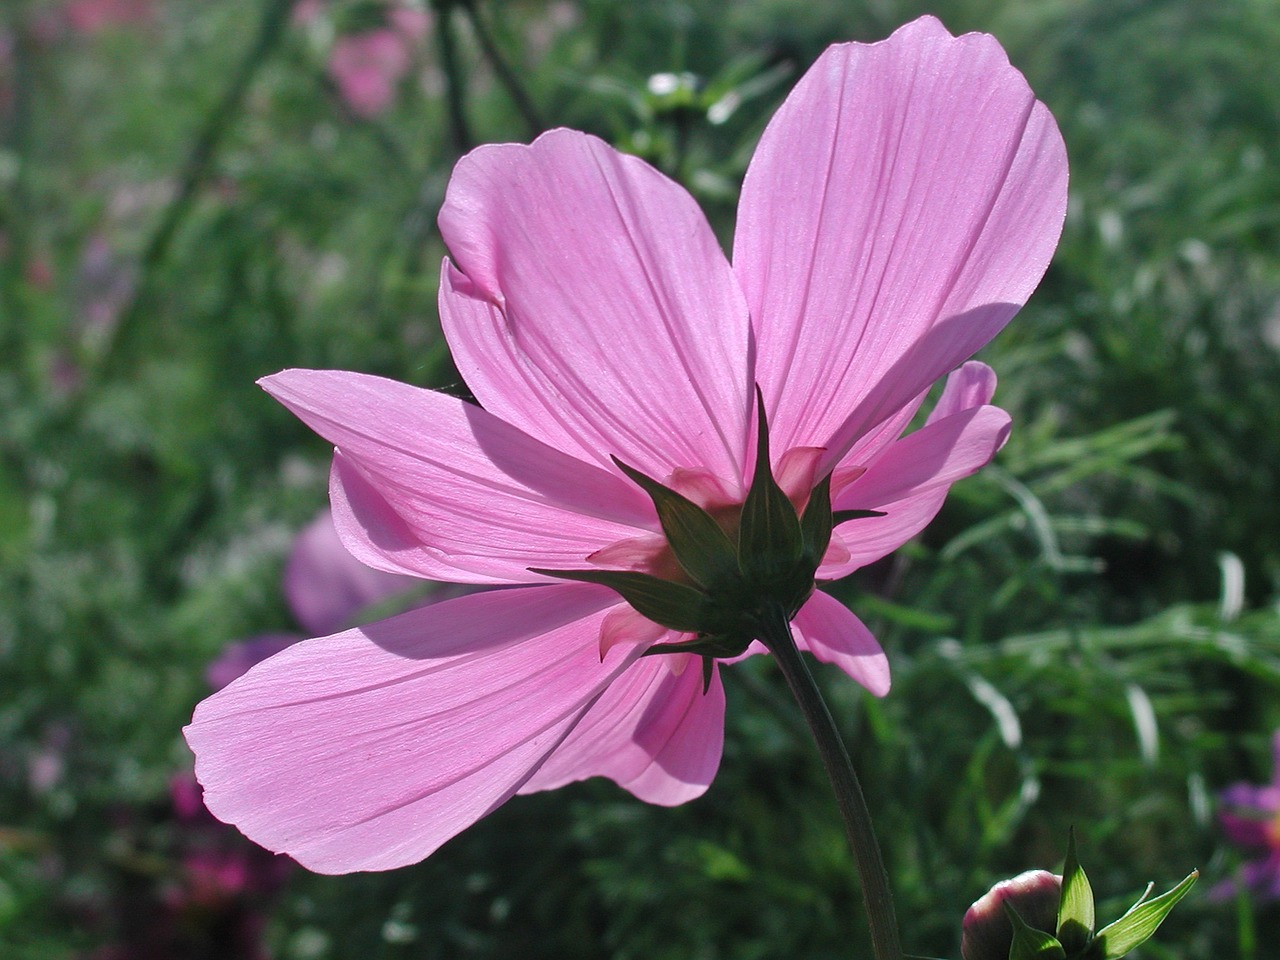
(1250, 818)
(900, 208)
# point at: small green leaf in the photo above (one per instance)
(1076, 918)
(674, 605)
(1141, 921)
(769, 539)
(1030, 943)
(703, 550)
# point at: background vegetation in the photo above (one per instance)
(192, 196)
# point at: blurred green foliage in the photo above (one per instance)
(188, 203)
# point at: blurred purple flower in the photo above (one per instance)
(1250, 817)
(324, 586)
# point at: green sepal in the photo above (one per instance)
(674, 605)
(1076, 919)
(1030, 943)
(706, 645)
(703, 550)
(816, 522)
(1140, 921)
(708, 670)
(769, 539)
(841, 516)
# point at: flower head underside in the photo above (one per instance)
(669, 443)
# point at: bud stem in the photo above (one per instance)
(876, 895)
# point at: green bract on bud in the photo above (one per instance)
(1040, 916)
(739, 571)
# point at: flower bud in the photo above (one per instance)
(987, 928)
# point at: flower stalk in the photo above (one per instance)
(876, 894)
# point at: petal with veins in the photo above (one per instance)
(431, 485)
(909, 483)
(654, 732)
(903, 203)
(593, 307)
(368, 749)
(832, 633)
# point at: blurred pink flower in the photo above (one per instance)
(307, 11)
(1250, 818)
(324, 586)
(94, 16)
(6, 88)
(900, 208)
(367, 66)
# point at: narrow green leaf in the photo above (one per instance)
(769, 539)
(674, 605)
(1076, 918)
(1141, 921)
(1030, 943)
(703, 550)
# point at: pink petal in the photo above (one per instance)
(653, 732)
(796, 471)
(368, 749)
(236, 658)
(593, 308)
(438, 488)
(830, 631)
(909, 482)
(325, 585)
(972, 385)
(902, 205)
(624, 625)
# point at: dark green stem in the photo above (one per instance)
(459, 131)
(502, 70)
(876, 894)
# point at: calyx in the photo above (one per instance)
(738, 575)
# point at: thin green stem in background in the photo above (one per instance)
(15, 210)
(506, 76)
(204, 147)
(454, 83)
(876, 894)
